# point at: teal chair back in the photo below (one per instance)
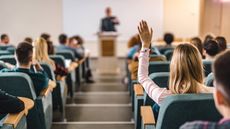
(2, 53)
(159, 66)
(207, 67)
(48, 70)
(163, 50)
(20, 84)
(59, 59)
(209, 80)
(177, 109)
(168, 54)
(161, 79)
(67, 54)
(9, 59)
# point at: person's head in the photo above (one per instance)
(5, 39)
(72, 41)
(222, 83)
(135, 40)
(45, 36)
(79, 39)
(186, 69)
(40, 49)
(24, 54)
(211, 48)
(63, 39)
(207, 38)
(108, 11)
(196, 41)
(168, 38)
(28, 40)
(222, 43)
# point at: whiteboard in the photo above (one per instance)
(83, 16)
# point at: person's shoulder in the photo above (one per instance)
(199, 125)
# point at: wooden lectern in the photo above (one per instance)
(107, 62)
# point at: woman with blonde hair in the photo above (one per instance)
(186, 69)
(41, 52)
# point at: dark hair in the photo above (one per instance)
(222, 43)
(24, 53)
(62, 38)
(79, 39)
(207, 38)
(3, 36)
(45, 36)
(28, 39)
(222, 72)
(211, 47)
(168, 38)
(196, 41)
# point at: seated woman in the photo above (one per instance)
(186, 69)
(41, 52)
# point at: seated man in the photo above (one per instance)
(211, 49)
(221, 95)
(24, 55)
(63, 40)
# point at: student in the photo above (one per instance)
(196, 41)
(135, 45)
(211, 49)
(186, 69)
(63, 40)
(24, 57)
(221, 95)
(28, 40)
(41, 52)
(222, 43)
(168, 38)
(4, 40)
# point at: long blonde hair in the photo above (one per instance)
(186, 70)
(41, 52)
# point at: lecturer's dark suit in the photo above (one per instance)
(107, 24)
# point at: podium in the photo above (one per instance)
(107, 61)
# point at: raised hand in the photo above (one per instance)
(145, 34)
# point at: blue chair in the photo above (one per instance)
(207, 67)
(4, 53)
(70, 79)
(58, 94)
(158, 67)
(177, 109)
(163, 50)
(209, 80)
(168, 54)
(9, 59)
(20, 84)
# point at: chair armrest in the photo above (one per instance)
(46, 91)
(138, 90)
(147, 115)
(14, 118)
(73, 66)
(81, 61)
(52, 83)
(60, 78)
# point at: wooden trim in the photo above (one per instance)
(73, 66)
(46, 91)
(147, 115)
(138, 90)
(52, 83)
(14, 118)
(60, 78)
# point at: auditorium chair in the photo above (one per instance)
(20, 84)
(168, 54)
(158, 67)
(18, 120)
(209, 80)
(141, 98)
(59, 94)
(70, 79)
(9, 59)
(4, 52)
(175, 110)
(207, 67)
(163, 50)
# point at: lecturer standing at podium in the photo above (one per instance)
(109, 22)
